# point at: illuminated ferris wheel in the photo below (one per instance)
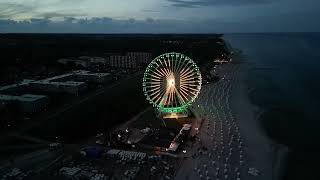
(171, 82)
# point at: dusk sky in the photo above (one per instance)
(159, 16)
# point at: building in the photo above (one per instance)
(98, 60)
(72, 83)
(14, 87)
(179, 138)
(12, 173)
(70, 87)
(92, 77)
(75, 62)
(85, 61)
(27, 103)
(77, 173)
(113, 153)
(141, 57)
(81, 76)
(126, 62)
(126, 155)
(70, 173)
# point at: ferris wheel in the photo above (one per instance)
(171, 82)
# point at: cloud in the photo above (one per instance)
(263, 23)
(200, 3)
(98, 25)
(9, 10)
(49, 15)
(150, 11)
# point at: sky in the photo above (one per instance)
(158, 16)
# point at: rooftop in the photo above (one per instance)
(25, 97)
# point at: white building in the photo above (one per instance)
(92, 77)
(141, 57)
(73, 83)
(26, 103)
(85, 61)
(73, 61)
(71, 87)
(127, 155)
(119, 61)
(70, 173)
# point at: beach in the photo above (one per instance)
(230, 115)
(282, 71)
(264, 154)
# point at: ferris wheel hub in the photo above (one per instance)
(171, 81)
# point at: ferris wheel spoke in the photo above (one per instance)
(180, 98)
(153, 82)
(169, 98)
(190, 88)
(192, 85)
(155, 93)
(165, 97)
(159, 75)
(152, 89)
(154, 86)
(164, 100)
(188, 73)
(188, 76)
(165, 68)
(179, 64)
(152, 75)
(187, 79)
(159, 72)
(158, 98)
(159, 67)
(184, 94)
(186, 70)
(175, 64)
(169, 63)
(182, 63)
(175, 99)
(192, 81)
(186, 90)
(183, 70)
(166, 73)
(157, 80)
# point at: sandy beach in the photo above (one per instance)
(264, 154)
(227, 110)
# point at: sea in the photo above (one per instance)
(284, 82)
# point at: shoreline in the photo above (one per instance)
(263, 153)
(228, 100)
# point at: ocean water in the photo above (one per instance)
(284, 82)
